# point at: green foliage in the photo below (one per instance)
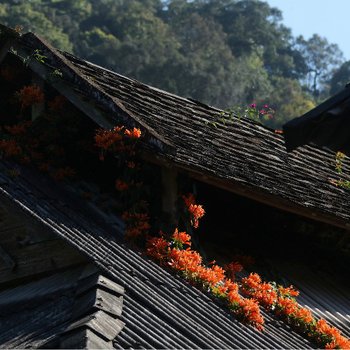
(321, 59)
(221, 52)
(340, 78)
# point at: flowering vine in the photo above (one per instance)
(176, 253)
(243, 297)
(121, 142)
(282, 302)
(195, 211)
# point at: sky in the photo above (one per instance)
(328, 18)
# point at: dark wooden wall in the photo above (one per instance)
(28, 251)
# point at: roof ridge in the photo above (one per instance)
(35, 42)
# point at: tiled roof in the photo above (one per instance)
(238, 155)
(160, 310)
(78, 308)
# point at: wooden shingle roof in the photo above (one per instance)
(159, 310)
(78, 308)
(238, 155)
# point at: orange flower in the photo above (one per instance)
(18, 129)
(157, 248)
(251, 313)
(57, 103)
(212, 275)
(304, 315)
(288, 292)
(287, 306)
(196, 211)
(184, 260)
(131, 165)
(251, 282)
(30, 95)
(10, 148)
(120, 185)
(189, 199)
(62, 173)
(135, 133)
(136, 224)
(106, 138)
(181, 237)
(232, 268)
(232, 296)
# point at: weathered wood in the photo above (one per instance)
(252, 193)
(39, 258)
(45, 73)
(4, 50)
(38, 108)
(97, 299)
(102, 282)
(6, 259)
(84, 339)
(101, 323)
(169, 194)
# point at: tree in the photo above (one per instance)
(253, 26)
(340, 78)
(321, 58)
(30, 16)
(288, 100)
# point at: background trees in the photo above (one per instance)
(222, 52)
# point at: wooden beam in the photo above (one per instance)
(4, 50)
(252, 193)
(58, 83)
(40, 258)
(169, 194)
(7, 260)
(38, 108)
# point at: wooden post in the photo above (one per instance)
(39, 108)
(169, 196)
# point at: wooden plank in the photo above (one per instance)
(38, 108)
(97, 299)
(101, 323)
(169, 194)
(83, 339)
(6, 258)
(252, 193)
(39, 258)
(5, 49)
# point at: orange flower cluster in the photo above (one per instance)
(181, 238)
(63, 173)
(232, 268)
(134, 133)
(282, 301)
(121, 185)
(189, 263)
(157, 248)
(30, 95)
(264, 293)
(114, 140)
(184, 260)
(18, 129)
(337, 340)
(196, 211)
(10, 148)
(251, 313)
(137, 224)
(106, 138)
(57, 103)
